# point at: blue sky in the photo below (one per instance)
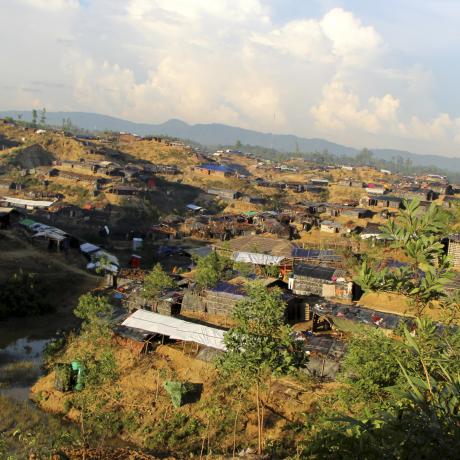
(362, 73)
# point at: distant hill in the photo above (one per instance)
(218, 134)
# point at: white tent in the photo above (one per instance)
(176, 328)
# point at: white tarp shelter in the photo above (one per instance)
(194, 207)
(177, 329)
(88, 248)
(29, 204)
(51, 234)
(256, 258)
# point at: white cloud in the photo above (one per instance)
(225, 61)
(51, 4)
(340, 109)
(351, 41)
(339, 36)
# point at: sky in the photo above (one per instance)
(362, 73)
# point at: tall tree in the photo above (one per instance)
(260, 345)
(43, 117)
(34, 117)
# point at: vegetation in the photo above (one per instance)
(94, 311)
(413, 414)
(422, 280)
(211, 269)
(156, 282)
(24, 294)
(260, 346)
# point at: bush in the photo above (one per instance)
(371, 364)
(24, 294)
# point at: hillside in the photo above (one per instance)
(220, 134)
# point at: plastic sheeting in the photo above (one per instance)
(50, 234)
(88, 248)
(257, 259)
(177, 329)
(27, 203)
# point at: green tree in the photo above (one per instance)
(365, 157)
(43, 117)
(95, 312)
(211, 269)
(34, 117)
(260, 345)
(422, 280)
(156, 282)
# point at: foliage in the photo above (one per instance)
(423, 415)
(43, 117)
(174, 433)
(94, 311)
(260, 344)
(260, 339)
(24, 294)
(428, 270)
(371, 364)
(244, 268)
(34, 117)
(211, 269)
(156, 282)
(272, 271)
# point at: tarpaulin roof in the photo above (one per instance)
(176, 328)
(88, 248)
(33, 203)
(27, 222)
(50, 234)
(212, 167)
(257, 259)
(194, 207)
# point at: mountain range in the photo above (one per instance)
(214, 134)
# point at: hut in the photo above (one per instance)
(218, 303)
(124, 190)
(322, 281)
(385, 201)
(224, 194)
(329, 226)
(359, 213)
